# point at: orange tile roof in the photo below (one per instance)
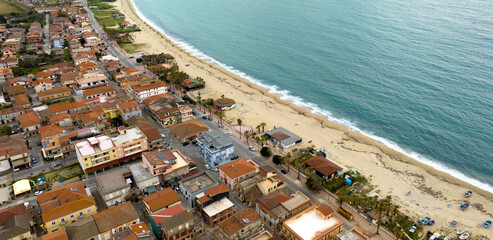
(139, 228)
(217, 190)
(129, 106)
(50, 130)
(99, 90)
(21, 99)
(188, 129)
(115, 216)
(54, 91)
(237, 168)
(58, 235)
(140, 88)
(44, 74)
(58, 117)
(28, 119)
(5, 70)
(234, 224)
(42, 80)
(64, 106)
(148, 101)
(161, 199)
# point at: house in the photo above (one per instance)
(161, 200)
(69, 78)
(212, 195)
(46, 74)
(82, 229)
(9, 116)
(29, 123)
(95, 92)
(188, 130)
(90, 81)
(55, 93)
(65, 205)
(58, 235)
(115, 219)
(224, 104)
(277, 206)
(323, 167)
(215, 148)
(191, 83)
(93, 42)
(130, 143)
(129, 109)
(154, 139)
(139, 92)
(13, 149)
(248, 191)
(182, 225)
(194, 185)
(113, 186)
(42, 84)
(241, 225)
(186, 113)
(158, 217)
(142, 176)
(5, 74)
(16, 222)
(11, 62)
(218, 211)
(270, 184)
(167, 164)
(236, 171)
(21, 100)
(140, 230)
(24, 81)
(283, 137)
(316, 222)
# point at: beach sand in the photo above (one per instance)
(432, 191)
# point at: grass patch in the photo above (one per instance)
(66, 173)
(10, 6)
(133, 47)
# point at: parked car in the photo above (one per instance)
(284, 171)
(251, 148)
(163, 136)
(33, 159)
(37, 193)
(230, 134)
(208, 117)
(177, 189)
(215, 169)
(194, 142)
(56, 164)
(234, 157)
(185, 143)
(38, 144)
(205, 117)
(207, 166)
(219, 126)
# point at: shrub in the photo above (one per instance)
(266, 152)
(313, 184)
(277, 159)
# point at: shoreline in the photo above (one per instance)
(347, 148)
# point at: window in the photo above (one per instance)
(53, 223)
(81, 214)
(88, 210)
(72, 216)
(62, 220)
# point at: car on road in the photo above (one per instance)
(205, 117)
(219, 126)
(209, 117)
(194, 113)
(215, 169)
(37, 193)
(38, 144)
(177, 189)
(162, 135)
(284, 171)
(234, 157)
(207, 166)
(251, 148)
(57, 164)
(230, 134)
(185, 143)
(194, 142)
(33, 159)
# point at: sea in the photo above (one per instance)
(415, 75)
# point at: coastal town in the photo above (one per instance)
(103, 140)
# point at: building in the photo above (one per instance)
(130, 143)
(29, 123)
(42, 84)
(115, 219)
(58, 235)
(65, 205)
(55, 93)
(188, 130)
(315, 223)
(46, 74)
(270, 184)
(242, 225)
(142, 177)
(212, 195)
(161, 200)
(95, 92)
(167, 164)
(236, 171)
(113, 185)
(154, 139)
(180, 226)
(186, 113)
(224, 104)
(16, 222)
(90, 81)
(82, 229)
(140, 92)
(277, 206)
(283, 137)
(129, 109)
(94, 152)
(218, 211)
(5, 75)
(323, 167)
(194, 185)
(9, 116)
(13, 152)
(21, 100)
(215, 148)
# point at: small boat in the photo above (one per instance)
(459, 232)
(468, 193)
(431, 222)
(453, 223)
(465, 235)
(487, 224)
(413, 228)
(425, 220)
(464, 206)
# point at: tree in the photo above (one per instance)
(240, 122)
(247, 135)
(287, 159)
(220, 115)
(199, 100)
(258, 128)
(313, 184)
(340, 201)
(263, 139)
(277, 159)
(298, 165)
(5, 130)
(266, 152)
(309, 171)
(263, 126)
(139, 60)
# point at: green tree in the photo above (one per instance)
(258, 128)
(313, 184)
(5, 130)
(298, 165)
(220, 115)
(266, 152)
(287, 160)
(277, 159)
(240, 122)
(263, 126)
(247, 135)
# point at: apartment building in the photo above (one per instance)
(139, 92)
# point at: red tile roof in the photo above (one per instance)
(161, 199)
(167, 213)
(28, 119)
(237, 168)
(323, 165)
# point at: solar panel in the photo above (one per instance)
(246, 220)
(46, 143)
(160, 156)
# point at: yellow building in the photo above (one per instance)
(55, 93)
(95, 151)
(270, 184)
(111, 113)
(65, 205)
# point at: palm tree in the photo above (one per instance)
(239, 121)
(247, 134)
(287, 159)
(258, 128)
(209, 107)
(199, 100)
(298, 165)
(263, 126)
(220, 115)
(340, 201)
(309, 171)
(264, 139)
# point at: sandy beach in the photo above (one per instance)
(433, 193)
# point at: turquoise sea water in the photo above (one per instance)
(416, 75)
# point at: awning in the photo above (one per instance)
(22, 186)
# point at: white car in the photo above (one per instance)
(37, 193)
(215, 169)
(163, 136)
(251, 148)
(207, 167)
(229, 133)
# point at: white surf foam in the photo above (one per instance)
(314, 108)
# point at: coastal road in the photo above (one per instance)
(46, 35)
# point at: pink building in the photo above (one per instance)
(167, 163)
(236, 171)
(129, 142)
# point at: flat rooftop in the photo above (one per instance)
(139, 172)
(297, 199)
(198, 183)
(111, 181)
(131, 134)
(218, 206)
(94, 145)
(309, 225)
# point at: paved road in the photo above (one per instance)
(46, 35)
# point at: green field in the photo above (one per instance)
(9, 6)
(133, 47)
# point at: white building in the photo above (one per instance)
(215, 148)
(141, 92)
